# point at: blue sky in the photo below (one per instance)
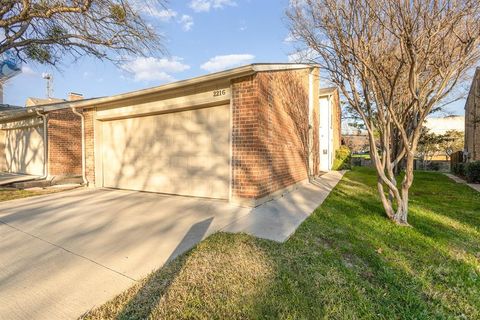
(202, 36)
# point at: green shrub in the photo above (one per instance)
(472, 172)
(459, 169)
(342, 158)
(434, 166)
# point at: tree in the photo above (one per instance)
(452, 141)
(45, 31)
(394, 62)
(429, 145)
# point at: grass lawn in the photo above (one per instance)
(347, 261)
(364, 156)
(11, 194)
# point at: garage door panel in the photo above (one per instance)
(183, 153)
(24, 150)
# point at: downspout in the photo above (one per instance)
(82, 118)
(310, 123)
(330, 131)
(45, 144)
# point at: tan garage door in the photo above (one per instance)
(24, 150)
(185, 153)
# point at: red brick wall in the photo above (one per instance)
(270, 132)
(89, 145)
(246, 171)
(472, 120)
(64, 143)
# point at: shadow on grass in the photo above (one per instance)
(157, 284)
(346, 261)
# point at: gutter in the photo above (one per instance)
(82, 118)
(310, 139)
(45, 144)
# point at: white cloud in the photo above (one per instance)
(207, 5)
(302, 56)
(154, 69)
(164, 15)
(186, 21)
(26, 70)
(289, 38)
(227, 61)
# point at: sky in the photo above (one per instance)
(201, 36)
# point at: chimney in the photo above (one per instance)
(72, 96)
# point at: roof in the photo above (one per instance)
(31, 101)
(7, 107)
(94, 102)
(327, 91)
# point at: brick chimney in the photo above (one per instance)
(72, 96)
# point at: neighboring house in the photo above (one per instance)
(29, 145)
(472, 120)
(355, 139)
(245, 135)
(33, 102)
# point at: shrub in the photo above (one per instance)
(342, 160)
(434, 166)
(472, 172)
(459, 169)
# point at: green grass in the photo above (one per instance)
(12, 194)
(364, 156)
(347, 261)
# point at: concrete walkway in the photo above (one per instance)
(8, 178)
(277, 220)
(65, 253)
(474, 186)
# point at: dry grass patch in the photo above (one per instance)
(224, 276)
(12, 194)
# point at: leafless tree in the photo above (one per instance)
(46, 30)
(394, 62)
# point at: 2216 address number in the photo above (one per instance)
(219, 93)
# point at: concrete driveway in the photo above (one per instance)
(64, 253)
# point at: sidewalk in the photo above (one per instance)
(475, 186)
(278, 219)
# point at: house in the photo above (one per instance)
(330, 126)
(35, 102)
(472, 120)
(42, 141)
(355, 138)
(245, 135)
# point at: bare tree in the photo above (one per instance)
(45, 31)
(394, 62)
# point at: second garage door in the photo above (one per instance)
(185, 153)
(24, 150)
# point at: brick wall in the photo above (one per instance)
(472, 120)
(270, 132)
(89, 145)
(64, 143)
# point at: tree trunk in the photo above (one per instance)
(401, 216)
